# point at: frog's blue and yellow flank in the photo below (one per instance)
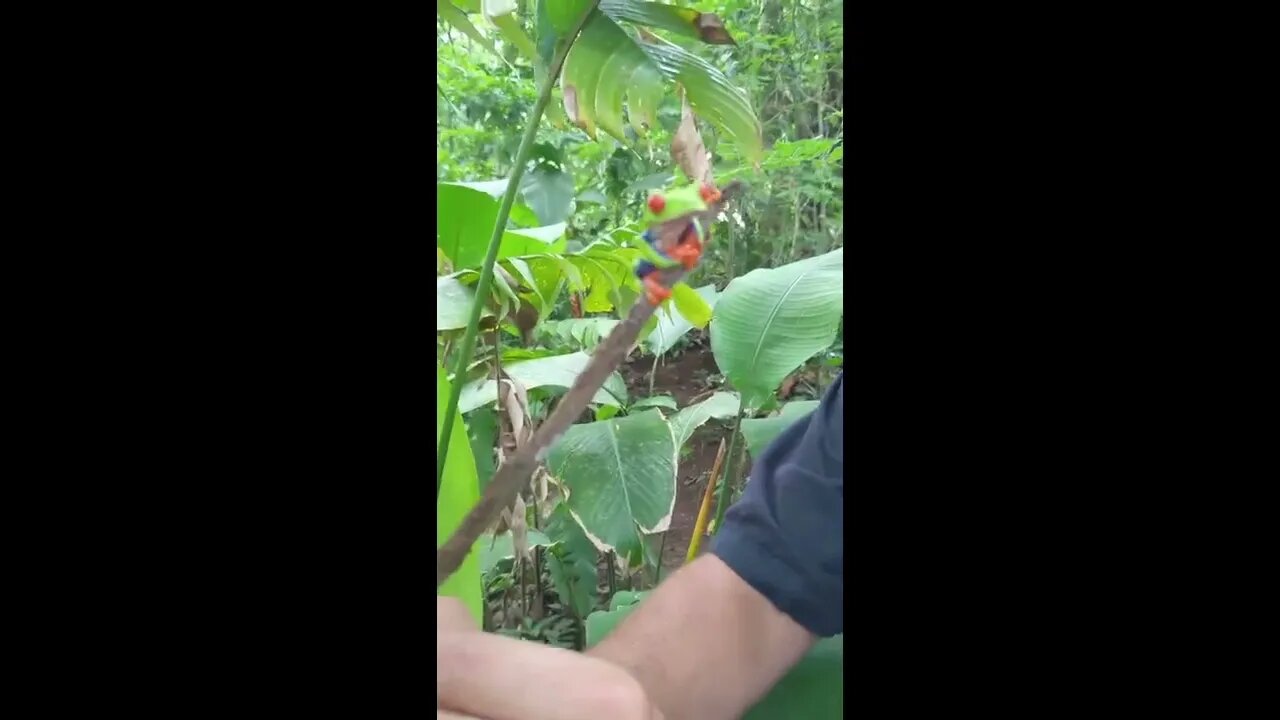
(675, 234)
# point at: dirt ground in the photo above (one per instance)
(684, 377)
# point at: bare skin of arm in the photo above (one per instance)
(706, 645)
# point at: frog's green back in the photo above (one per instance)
(675, 202)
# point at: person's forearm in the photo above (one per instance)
(705, 645)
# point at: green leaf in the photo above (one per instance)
(458, 493)
(549, 192)
(759, 432)
(495, 549)
(465, 216)
(721, 405)
(711, 95)
(692, 304)
(509, 27)
(555, 371)
(564, 13)
(621, 478)
(665, 401)
(457, 18)
(482, 432)
(453, 303)
(769, 321)
(571, 562)
(813, 689)
(582, 333)
(607, 65)
(671, 326)
(706, 27)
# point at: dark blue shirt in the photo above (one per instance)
(785, 536)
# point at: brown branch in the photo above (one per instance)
(514, 474)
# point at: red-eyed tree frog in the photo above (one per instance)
(675, 234)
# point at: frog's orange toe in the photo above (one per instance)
(654, 290)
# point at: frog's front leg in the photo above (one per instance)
(689, 250)
(654, 291)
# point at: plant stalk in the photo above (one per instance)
(704, 511)
(495, 240)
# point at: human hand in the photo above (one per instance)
(480, 676)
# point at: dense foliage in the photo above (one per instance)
(755, 336)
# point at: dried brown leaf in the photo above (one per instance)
(712, 31)
(688, 150)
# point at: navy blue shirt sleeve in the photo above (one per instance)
(785, 536)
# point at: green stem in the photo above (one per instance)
(495, 241)
(730, 472)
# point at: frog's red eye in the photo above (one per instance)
(657, 203)
(708, 193)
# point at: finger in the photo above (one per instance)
(446, 715)
(500, 678)
(453, 616)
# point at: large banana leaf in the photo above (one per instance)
(459, 492)
(608, 64)
(812, 690)
(621, 478)
(769, 321)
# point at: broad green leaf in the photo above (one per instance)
(556, 371)
(453, 303)
(608, 65)
(522, 215)
(721, 405)
(760, 432)
(813, 689)
(665, 401)
(711, 94)
(458, 493)
(769, 321)
(706, 27)
(465, 217)
(495, 549)
(621, 478)
(564, 13)
(549, 192)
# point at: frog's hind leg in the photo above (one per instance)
(654, 292)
